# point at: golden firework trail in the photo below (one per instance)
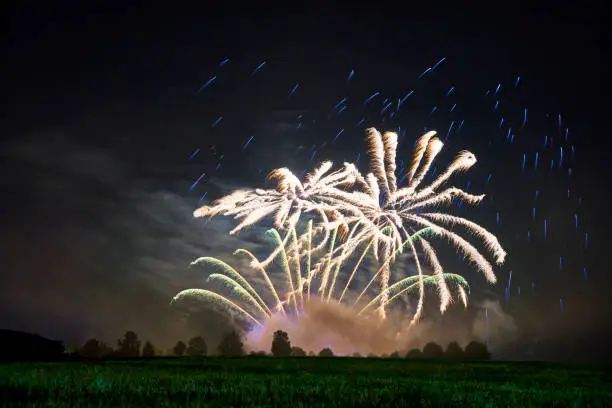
(370, 211)
(250, 304)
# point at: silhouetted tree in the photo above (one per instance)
(231, 345)
(356, 355)
(297, 352)
(395, 354)
(311, 353)
(259, 353)
(281, 346)
(326, 352)
(454, 351)
(106, 350)
(179, 349)
(91, 349)
(433, 350)
(197, 347)
(477, 351)
(129, 346)
(371, 355)
(414, 354)
(148, 350)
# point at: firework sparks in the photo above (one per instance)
(290, 301)
(378, 212)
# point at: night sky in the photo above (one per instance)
(106, 108)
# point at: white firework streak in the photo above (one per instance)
(249, 303)
(385, 217)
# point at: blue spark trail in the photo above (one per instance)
(423, 74)
(402, 100)
(342, 102)
(350, 76)
(217, 121)
(195, 183)
(384, 109)
(437, 64)
(450, 128)
(247, 143)
(225, 61)
(207, 84)
(295, 88)
(195, 153)
(260, 66)
(338, 134)
(369, 98)
(576, 222)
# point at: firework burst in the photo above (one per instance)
(371, 211)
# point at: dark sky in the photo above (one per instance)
(103, 111)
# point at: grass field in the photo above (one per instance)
(302, 382)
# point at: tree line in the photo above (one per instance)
(231, 345)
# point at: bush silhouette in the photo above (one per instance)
(395, 354)
(179, 349)
(298, 352)
(414, 354)
(477, 351)
(356, 355)
(197, 347)
(326, 352)
(21, 346)
(129, 345)
(148, 350)
(454, 351)
(433, 350)
(281, 346)
(231, 345)
(91, 349)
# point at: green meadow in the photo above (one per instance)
(302, 382)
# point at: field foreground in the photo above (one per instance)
(302, 382)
